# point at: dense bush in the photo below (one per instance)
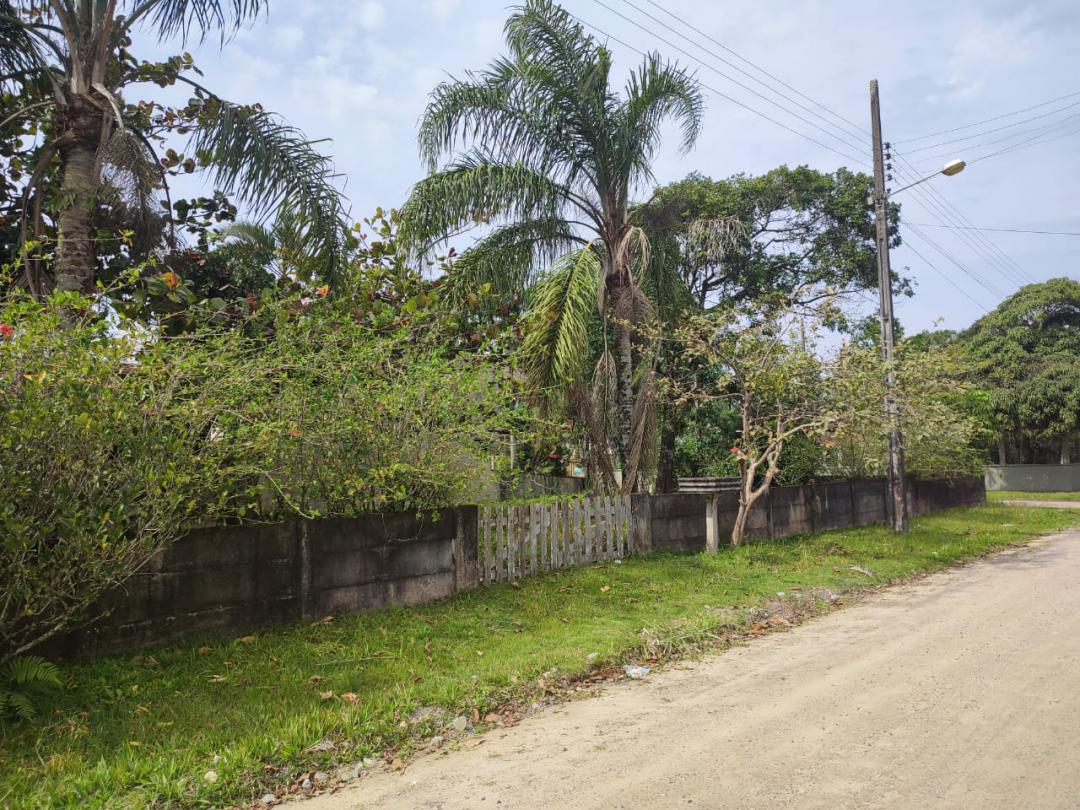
(115, 437)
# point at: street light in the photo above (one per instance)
(951, 168)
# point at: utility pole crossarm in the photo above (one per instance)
(897, 494)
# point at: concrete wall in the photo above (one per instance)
(678, 521)
(1033, 478)
(235, 579)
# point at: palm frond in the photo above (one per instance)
(641, 454)
(270, 166)
(656, 92)
(508, 260)
(179, 17)
(474, 192)
(132, 182)
(556, 345)
(20, 52)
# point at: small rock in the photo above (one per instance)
(459, 723)
(268, 799)
(592, 656)
(635, 672)
(367, 762)
(435, 741)
(305, 785)
(210, 776)
(321, 778)
(323, 745)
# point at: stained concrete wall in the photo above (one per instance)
(234, 579)
(1033, 478)
(786, 511)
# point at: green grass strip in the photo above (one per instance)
(138, 731)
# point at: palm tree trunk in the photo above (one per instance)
(81, 142)
(665, 473)
(624, 392)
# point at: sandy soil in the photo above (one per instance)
(962, 690)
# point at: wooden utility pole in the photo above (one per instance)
(897, 496)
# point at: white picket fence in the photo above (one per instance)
(524, 540)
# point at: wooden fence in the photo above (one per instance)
(524, 540)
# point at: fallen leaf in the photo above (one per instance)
(203, 650)
(476, 715)
(210, 776)
(861, 569)
(316, 678)
(605, 589)
(247, 640)
(350, 697)
(217, 679)
(326, 695)
(480, 653)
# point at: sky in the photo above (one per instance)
(359, 73)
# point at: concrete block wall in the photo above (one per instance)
(787, 511)
(1033, 477)
(235, 579)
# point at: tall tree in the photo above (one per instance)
(1028, 352)
(71, 59)
(547, 155)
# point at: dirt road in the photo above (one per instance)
(961, 691)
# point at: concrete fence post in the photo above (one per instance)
(304, 572)
(712, 524)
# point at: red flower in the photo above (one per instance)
(6, 330)
(735, 451)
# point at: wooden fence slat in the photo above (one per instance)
(588, 529)
(609, 526)
(485, 537)
(579, 532)
(504, 543)
(621, 524)
(534, 513)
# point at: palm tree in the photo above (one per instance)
(70, 60)
(548, 156)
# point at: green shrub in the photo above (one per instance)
(116, 437)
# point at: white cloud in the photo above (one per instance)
(288, 36)
(988, 48)
(442, 9)
(370, 15)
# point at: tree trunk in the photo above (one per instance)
(624, 393)
(1066, 449)
(665, 472)
(739, 529)
(1002, 456)
(81, 142)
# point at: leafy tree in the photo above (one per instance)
(788, 231)
(791, 236)
(775, 384)
(102, 163)
(1027, 353)
(547, 156)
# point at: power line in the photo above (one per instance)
(986, 285)
(1039, 131)
(953, 214)
(859, 129)
(998, 129)
(990, 120)
(770, 119)
(843, 137)
(946, 276)
(1001, 230)
(1024, 145)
